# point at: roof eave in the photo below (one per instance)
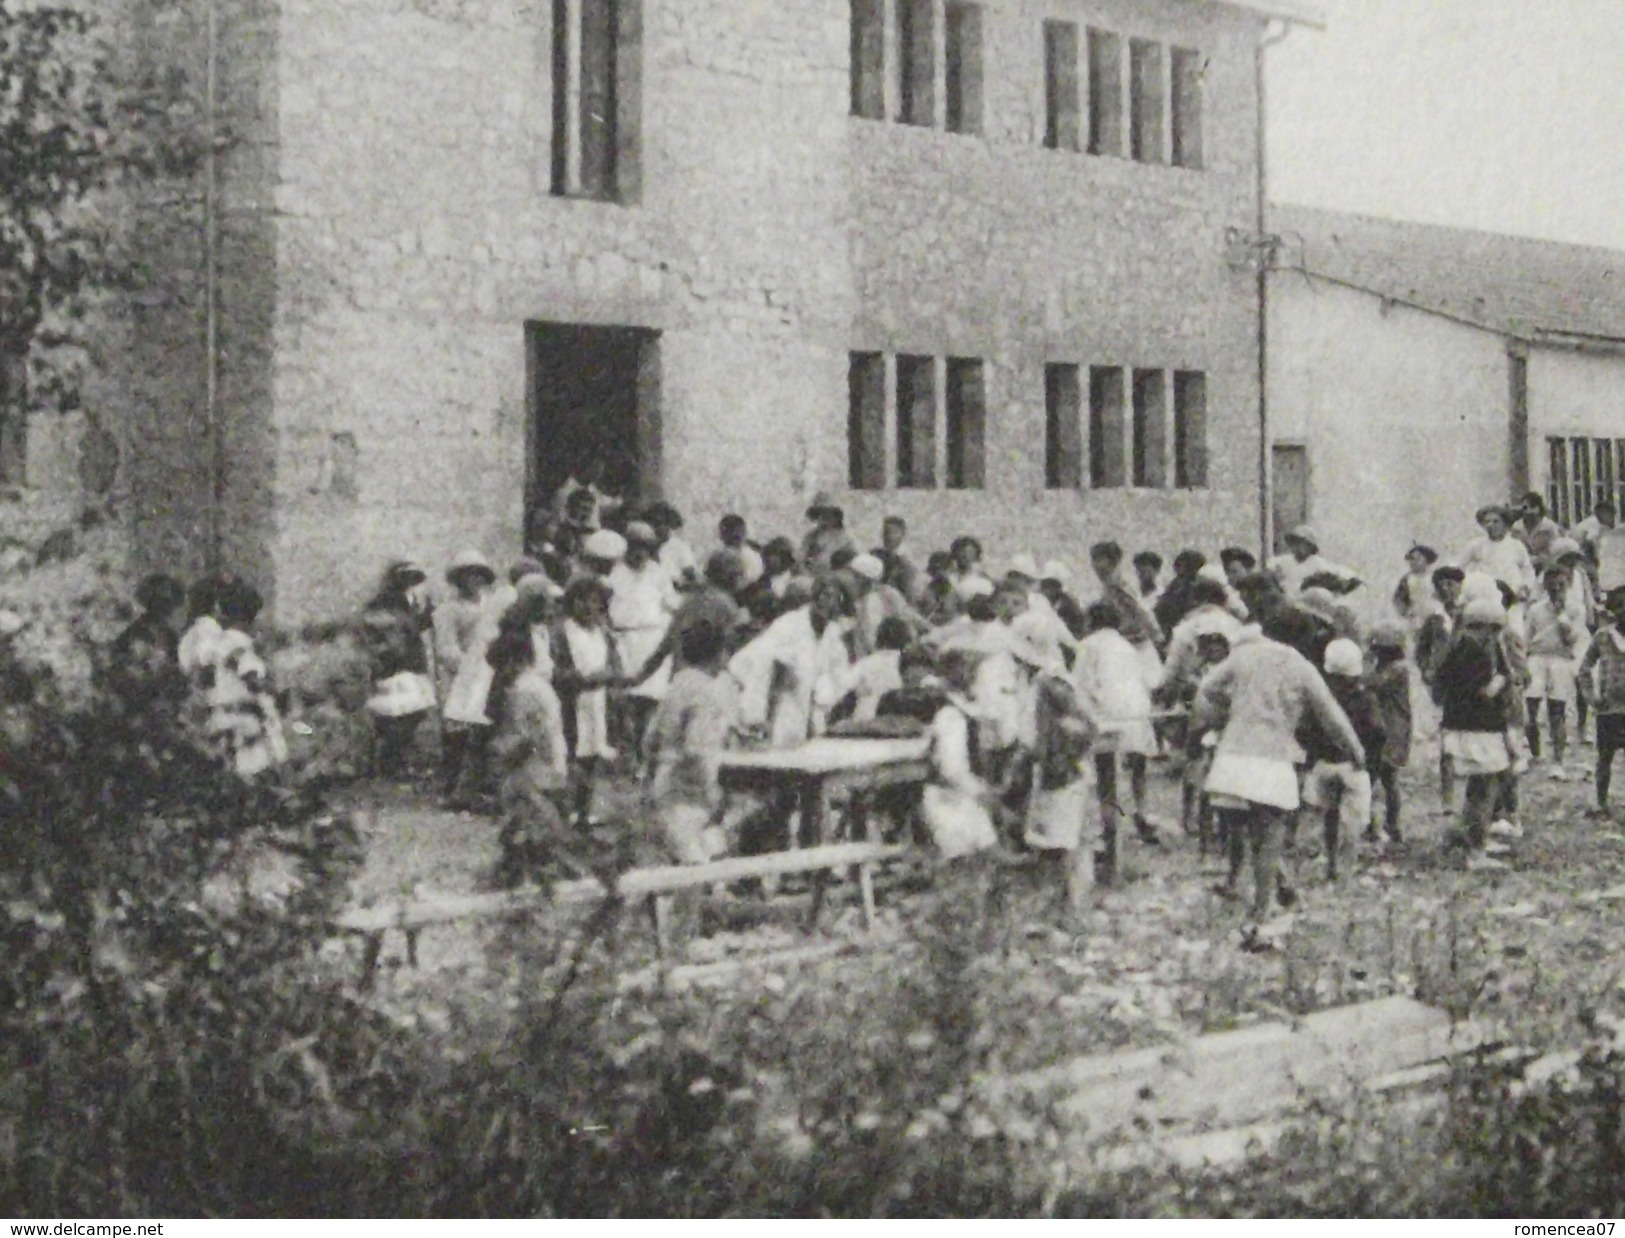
(1283, 10)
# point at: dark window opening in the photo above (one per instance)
(1105, 427)
(1150, 429)
(1061, 122)
(966, 410)
(1105, 93)
(963, 71)
(916, 422)
(1063, 429)
(1187, 107)
(1147, 89)
(915, 31)
(1190, 430)
(868, 59)
(866, 421)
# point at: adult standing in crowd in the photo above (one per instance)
(1303, 564)
(1500, 555)
(1536, 530)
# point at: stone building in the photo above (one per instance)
(984, 265)
(1418, 373)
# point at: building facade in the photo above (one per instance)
(1418, 373)
(974, 264)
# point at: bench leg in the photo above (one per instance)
(866, 887)
(370, 952)
(820, 879)
(412, 946)
(660, 911)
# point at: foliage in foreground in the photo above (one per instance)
(173, 1041)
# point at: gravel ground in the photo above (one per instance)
(1155, 959)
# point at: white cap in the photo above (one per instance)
(1343, 657)
(605, 544)
(868, 566)
(1023, 565)
(976, 587)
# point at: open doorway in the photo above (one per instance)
(594, 394)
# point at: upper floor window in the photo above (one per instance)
(597, 75)
(923, 73)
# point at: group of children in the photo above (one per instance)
(611, 645)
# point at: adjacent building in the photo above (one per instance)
(990, 266)
(1417, 373)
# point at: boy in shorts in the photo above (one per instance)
(1606, 658)
(1554, 643)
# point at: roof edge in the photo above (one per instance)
(1294, 11)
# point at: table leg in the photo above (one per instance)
(866, 887)
(814, 812)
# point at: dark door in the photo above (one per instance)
(1289, 489)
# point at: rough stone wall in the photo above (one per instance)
(415, 236)
(183, 513)
(1000, 249)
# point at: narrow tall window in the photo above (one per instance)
(1106, 398)
(917, 62)
(1063, 429)
(963, 71)
(1061, 128)
(597, 49)
(1190, 430)
(966, 409)
(1187, 107)
(916, 422)
(1150, 432)
(866, 421)
(1105, 93)
(1147, 91)
(868, 67)
(598, 84)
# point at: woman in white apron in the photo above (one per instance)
(641, 604)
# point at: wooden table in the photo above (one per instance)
(820, 768)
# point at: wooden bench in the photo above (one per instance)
(656, 885)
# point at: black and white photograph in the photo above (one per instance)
(811, 609)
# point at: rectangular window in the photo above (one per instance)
(868, 67)
(966, 410)
(963, 43)
(1187, 107)
(597, 50)
(917, 62)
(1105, 427)
(1061, 125)
(1063, 429)
(1581, 473)
(598, 98)
(916, 422)
(1105, 93)
(866, 421)
(1147, 90)
(1150, 432)
(1190, 430)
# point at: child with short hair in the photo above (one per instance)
(1110, 681)
(1472, 681)
(1606, 661)
(1196, 814)
(1058, 801)
(1337, 783)
(1554, 643)
(1390, 687)
(244, 721)
(691, 728)
(870, 678)
(585, 665)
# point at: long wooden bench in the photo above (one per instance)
(656, 885)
